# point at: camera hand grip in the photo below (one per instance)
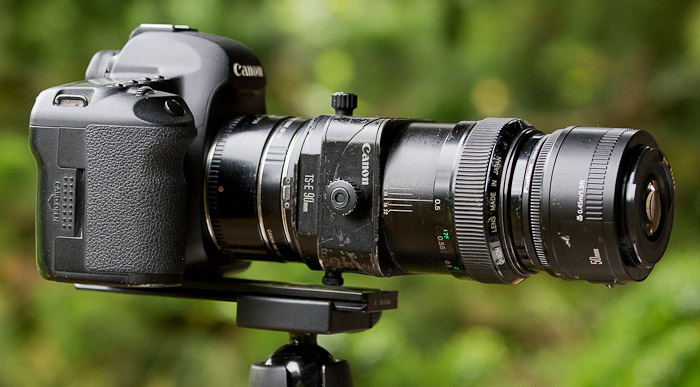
(135, 200)
(112, 203)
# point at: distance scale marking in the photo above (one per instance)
(400, 199)
(444, 226)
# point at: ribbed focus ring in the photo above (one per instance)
(470, 199)
(536, 192)
(597, 172)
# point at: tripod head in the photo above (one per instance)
(303, 310)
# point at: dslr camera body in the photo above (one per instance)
(113, 196)
(163, 163)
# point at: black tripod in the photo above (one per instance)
(302, 310)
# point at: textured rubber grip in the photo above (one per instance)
(597, 172)
(470, 201)
(135, 199)
(476, 174)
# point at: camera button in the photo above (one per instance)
(144, 90)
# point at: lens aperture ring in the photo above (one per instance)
(476, 203)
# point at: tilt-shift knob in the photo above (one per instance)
(343, 103)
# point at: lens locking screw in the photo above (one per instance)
(343, 103)
(341, 197)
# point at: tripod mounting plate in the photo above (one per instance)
(280, 306)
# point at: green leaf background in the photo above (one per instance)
(630, 63)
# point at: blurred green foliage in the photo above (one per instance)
(629, 63)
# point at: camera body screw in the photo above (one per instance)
(333, 278)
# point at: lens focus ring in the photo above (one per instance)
(474, 173)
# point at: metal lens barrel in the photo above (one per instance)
(492, 200)
(446, 198)
(599, 206)
(244, 189)
(502, 201)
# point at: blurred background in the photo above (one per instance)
(625, 63)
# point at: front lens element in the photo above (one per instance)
(653, 207)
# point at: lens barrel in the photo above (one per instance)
(493, 200)
(243, 187)
(587, 204)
